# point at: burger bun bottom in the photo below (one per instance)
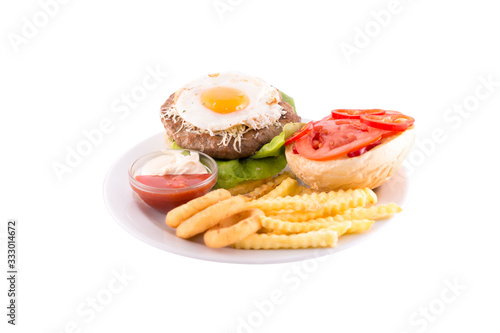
(370, 170)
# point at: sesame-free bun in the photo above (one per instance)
(368, 170)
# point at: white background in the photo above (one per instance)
(66, 76)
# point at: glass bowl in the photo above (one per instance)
(166, 199)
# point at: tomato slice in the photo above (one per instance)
(330, 139)
(391, 121)
(300, 133)
(363, 150)
(354, 113)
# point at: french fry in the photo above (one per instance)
(287, 187)
(305, 190)
(296, 216)
(269, 186)
(286, 203)
(319, 238)
(248, 186)
(277, 213)
(324, 197)
(371, 213)
(285, 227)
(233, 228)
(360, 226)
(177, 215)
(332, 203)
(211, 216)
(358, 198)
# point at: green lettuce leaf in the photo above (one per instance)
(274, 148)
(233, 172)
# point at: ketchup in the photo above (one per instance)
(171, 191)
(172, 181)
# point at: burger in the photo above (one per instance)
(239, 120)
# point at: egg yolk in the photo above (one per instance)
(224, 99)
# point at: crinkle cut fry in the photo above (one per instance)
(286, 203)
(305, 190)
(357, 199)
(287, 187)
(332, 207)
(360, 226)
(319, 238)
(323, 197)
(285, 227)
(372, 213)
(269, 186)
(248, 186)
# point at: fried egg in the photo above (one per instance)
(217, 102)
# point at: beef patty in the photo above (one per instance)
(251, 141)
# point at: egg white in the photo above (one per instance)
(262, 110)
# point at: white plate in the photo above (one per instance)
(149, 225)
